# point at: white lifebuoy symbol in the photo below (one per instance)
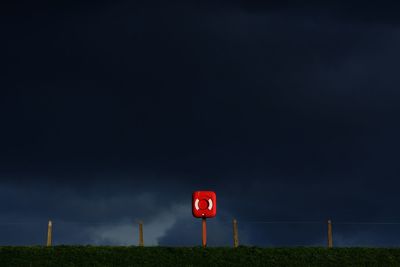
(196, 204)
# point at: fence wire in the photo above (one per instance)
(220, 233)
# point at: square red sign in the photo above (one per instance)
(204, 204)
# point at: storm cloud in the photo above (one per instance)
(115, 112)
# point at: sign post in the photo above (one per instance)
(204, 205)
(330, 243)
(235, 234)
(204, 236)
(141, 242)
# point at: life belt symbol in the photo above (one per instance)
(196, 204)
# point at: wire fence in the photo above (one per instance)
(265, 233)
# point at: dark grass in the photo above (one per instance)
(60, 256)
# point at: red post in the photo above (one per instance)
(330, 242)
(204, 232)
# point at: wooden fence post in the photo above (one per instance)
(49, 233)
(330, 242)
(141, 241)
(235, 234)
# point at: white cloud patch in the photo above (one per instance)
(127, 233)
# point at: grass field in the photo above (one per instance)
(60, 256)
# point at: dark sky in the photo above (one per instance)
(115, 111)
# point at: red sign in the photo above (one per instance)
(204, 204)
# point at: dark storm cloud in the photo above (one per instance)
(350, 11)
(87, 212)
(113, 112)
